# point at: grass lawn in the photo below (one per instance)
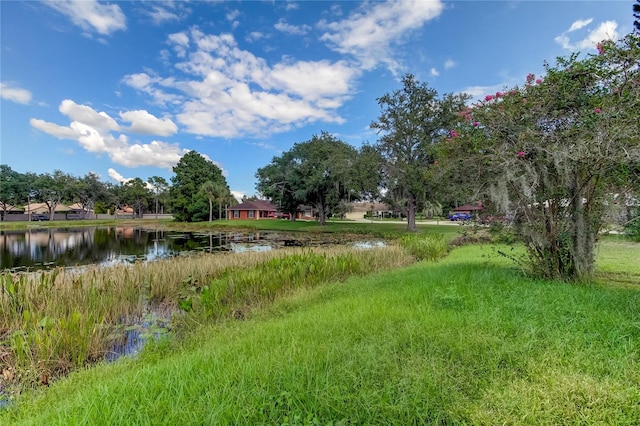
(467, 340)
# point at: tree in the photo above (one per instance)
(191, 172)
(548, 152)
(412, 120)
(213, 191)
(13, 188)
(636, 14)
(160, 186)
(87, 190)
(319, 172)
(325, 171)
(136, 192)
(278, 181)
(52, 189)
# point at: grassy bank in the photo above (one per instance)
(54, 322)
(467, 340)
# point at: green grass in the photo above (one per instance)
(465, 341)
(379, 229)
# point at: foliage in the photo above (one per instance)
(214, 191)
(52, 322)
(632, 226)
(277, 181)
(159, 186)
(411, 121)
(136, 193)
(425, 246)
(191, 172)
(545, 152)
(13, 188)
(87, 190)
(322, 172)
(463, 341)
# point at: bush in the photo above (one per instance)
(425, 246)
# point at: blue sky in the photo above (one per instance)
(123, 89)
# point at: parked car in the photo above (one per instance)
(460, 216)
(39, 217)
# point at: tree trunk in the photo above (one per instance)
(411, 213)
(210, 210)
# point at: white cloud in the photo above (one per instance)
(254, 36)
(370, 33)
(232, 15)
(156, 153)
(160, 15)
(113, 174)
(93, 132)
(580, 23)
(606, 30)
(145, 123)
(434, 72)
(12, 93)
(282, 26)
(88, 116)
(232, 92)
(238, 195)
(449, 63)
(145, 83)
(91, 15)
(60, 132)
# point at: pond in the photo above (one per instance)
(37, 249)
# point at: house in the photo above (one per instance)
(377, 210)
(468, 209)
(42, 208)
(252, 209)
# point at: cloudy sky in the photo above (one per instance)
(124, 88)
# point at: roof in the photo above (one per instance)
(254, 205)
(11, 208)
(43, 208)
(467, 207)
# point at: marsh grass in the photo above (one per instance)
(52, 322)
(426, 246)
(467, 340)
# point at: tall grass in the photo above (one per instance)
(427, 246)
(467, 340)
(52, 322)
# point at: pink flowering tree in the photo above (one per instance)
(548, 152)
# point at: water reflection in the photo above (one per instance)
(43, 248)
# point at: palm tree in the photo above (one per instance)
(212, 190)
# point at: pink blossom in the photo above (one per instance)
(488, 98)
(454, 134)
(498, 94)
(600, 48)
(475, 124)
(530, 77)
(521, 154)
(597, 110)
(538, 81)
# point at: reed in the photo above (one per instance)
(427, 246)
(52, 322)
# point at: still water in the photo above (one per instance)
(46, 248)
